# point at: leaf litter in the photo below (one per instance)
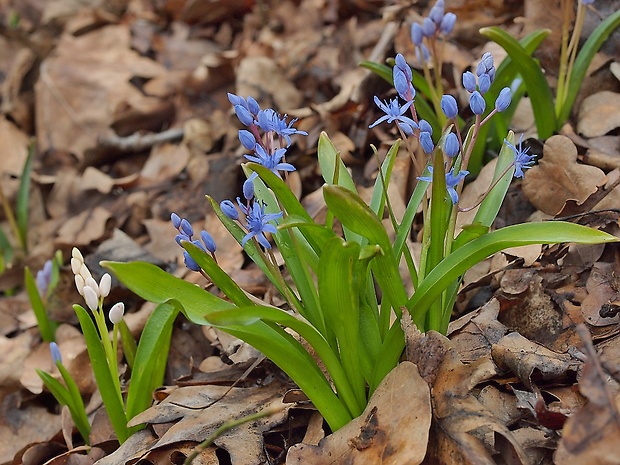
(127, 101)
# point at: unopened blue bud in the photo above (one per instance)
(447, 23)
(236, 100)
(55, 351)
(181, 237)
(428, 27)
(469, 81)
(186, 228)
(402, 64)
(422, 53)
(208, 241)
(189, 261)
(449, 106)
(247, 139)
(477, 103)
(176, 220)
(406, 128)
(484, 82)
(403, 85)
(486, 63)
(417, 35)
(427, 142)
(244, 115)
(451, 145)
(503, 100)
(436, 13)
(425, 126)
(228, 208)
(253, 106)
(491, 73)
(248, 189)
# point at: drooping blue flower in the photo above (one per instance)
(522, 161)
(449, 106)
(258, 223)
(451, 145)
(477, 103)
(503, 99)
(393, 112)
(270, 161)
(228, 208)
(452, 180)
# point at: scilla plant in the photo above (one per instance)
(344, 292)
(146, 363)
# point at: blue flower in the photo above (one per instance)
(208, 241)
(469, 81)
(176, 220)
(402, 76)
(258, 223)
(270, 161)
(522, 161)
(503, 99)
(449, 106)
(451, 145)
(477, 103)
(393, 112)
(270, 121)
(248, 188)
(426, 142)
(484, 82)
(44, 277)
(417, 35)
(55, 351)
(452, 180)
(425, 126)
(436, 13)
(228, 208)
(244, 115)
(247, 139)
(485, 65)
(447, 23)
(428, 27)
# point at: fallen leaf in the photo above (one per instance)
(599, 114)
(558, 177)
(393, 429)
(603, 288)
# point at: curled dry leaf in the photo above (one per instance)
(558, 177)
(524, 357)
(392, 430)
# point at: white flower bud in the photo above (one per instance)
(76, 264)
(104, 285)
(90, 282)
(117, 312)
(85, 272)
(75, 253)
(90, 296)
(79, 284)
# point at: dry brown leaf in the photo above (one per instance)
(392, 430)
(603, 288)
(165, 162)
(82, 229)
(192, 413)
(592, 435)
(524, 357)
(85, 88)
(558, 177)
(599, 114)
(13, 153)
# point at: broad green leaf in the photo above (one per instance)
(459, 261)
(111, 397)
(537, 86)
(151, 356)
(329, 157)
(379, 191)
(583, 60)
(249, 315)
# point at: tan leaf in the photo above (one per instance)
(393, 429)
(603, 287)
(599, 114)
(559, 177)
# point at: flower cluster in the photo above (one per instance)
(88, 288)
(186, 233)
(478, 84)
(436, 24)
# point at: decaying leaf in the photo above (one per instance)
(392, 430)
(599, 114)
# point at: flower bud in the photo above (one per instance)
(477, 103)
(236, 100)
(436, 13)
(449, 106)
(484, 82)
(253, 106)
(176, 220)
(447, 23)
(428, 27)
(406, 128)
(427, 142)
(228, 208)
(76, 264)
(425, 126)
(244, 115)
(55, 351)
(402, 64)
(503, 100)
(208, 241)
(451, 145)
(247, 139)
(469, 81)
(190, 263)
(248, 189)
(116, 313)
(75, 253)
(90, 297)
(417, 35)
(79, 283)
(85, 272)
(186, 228)
(90, 282)
(104, 285)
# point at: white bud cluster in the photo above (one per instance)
(86, 285)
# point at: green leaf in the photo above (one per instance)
(129, 343)
(151, 357)
(111, 397)
(77, 409)
(23, 194)
(459, 261)
(329, 157)
(583, 60)
(6, 251)
(538, 89)
(46, 327)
